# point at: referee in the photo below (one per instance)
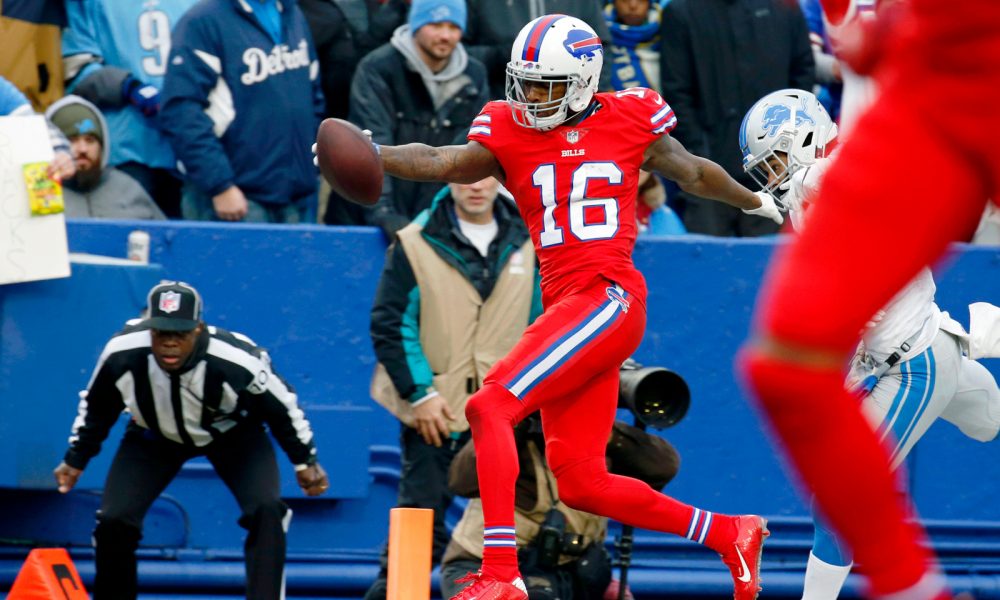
(191, 390)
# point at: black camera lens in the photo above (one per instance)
(550, 539)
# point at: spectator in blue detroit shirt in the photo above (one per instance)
(115, 55)
(242, 96)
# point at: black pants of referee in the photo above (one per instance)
(144, 466)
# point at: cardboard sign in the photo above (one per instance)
(32, 227)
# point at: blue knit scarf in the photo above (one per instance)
(626, 39)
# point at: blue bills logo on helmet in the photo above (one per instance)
(582, 44)
(774, 117)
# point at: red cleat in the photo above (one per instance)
(743, 556)
(487, 588)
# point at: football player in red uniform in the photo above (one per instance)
(571, 158)
(937, 66)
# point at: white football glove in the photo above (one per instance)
(367, 132)
(378, 148)
(768, 208)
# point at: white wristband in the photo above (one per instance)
(427, 397)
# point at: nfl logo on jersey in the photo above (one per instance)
(574, 135)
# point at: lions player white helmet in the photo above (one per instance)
(550, 50)
(790, 122)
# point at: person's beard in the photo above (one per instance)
(86, 179)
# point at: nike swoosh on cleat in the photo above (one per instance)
(745, 577)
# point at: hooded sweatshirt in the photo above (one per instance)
(442, 85)
(115, 195)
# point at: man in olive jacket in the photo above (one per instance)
(458, 288)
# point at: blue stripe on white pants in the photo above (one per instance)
(905, 431)
(913, 382)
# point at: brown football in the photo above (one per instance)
(348, 161)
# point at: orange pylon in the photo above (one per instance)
(410, 544)
(48, 574)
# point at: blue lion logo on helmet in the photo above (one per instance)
(801, 116)
(774, 117)
(582, 44)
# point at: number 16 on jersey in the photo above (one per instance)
(544, 178)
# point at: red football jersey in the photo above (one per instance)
(576, 186)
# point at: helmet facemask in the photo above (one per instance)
(784, 132)
(771, 178)
(549, 114)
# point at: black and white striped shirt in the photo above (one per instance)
(228, 379)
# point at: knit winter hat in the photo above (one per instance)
(76, 116)
(423, 12)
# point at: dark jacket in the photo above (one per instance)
(718, 57)
(397, 297)
(340, 29)
(256, 133)
(390, 98)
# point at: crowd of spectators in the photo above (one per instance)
(211, 105)
(212, 110)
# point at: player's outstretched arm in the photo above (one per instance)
(697, 175)
(454, 164)
(704, 178)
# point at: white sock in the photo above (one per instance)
(823, 580)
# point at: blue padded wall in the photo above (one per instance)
(304, 293)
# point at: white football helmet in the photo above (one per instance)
(550, 50)
(792, 122)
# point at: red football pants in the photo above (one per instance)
(913, 177)
(566, 365)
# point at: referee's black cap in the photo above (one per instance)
(173, 306)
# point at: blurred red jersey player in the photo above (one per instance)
(937, 66)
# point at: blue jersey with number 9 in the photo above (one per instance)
(133, 35)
